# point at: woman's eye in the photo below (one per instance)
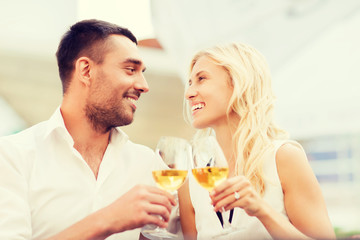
(201, 78)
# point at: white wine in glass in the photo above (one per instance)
(209, 177)
(210, 167)
(176, 154)
(169, 180)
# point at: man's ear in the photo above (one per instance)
(82, 70)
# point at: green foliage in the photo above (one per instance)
(341, 234)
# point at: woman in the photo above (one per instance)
(271, 186)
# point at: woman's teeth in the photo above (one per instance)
(197, 106)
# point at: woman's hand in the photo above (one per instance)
(237, 192)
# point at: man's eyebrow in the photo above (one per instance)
(135, 61)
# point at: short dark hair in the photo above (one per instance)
(86, 38)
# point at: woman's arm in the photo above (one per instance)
(187, 213)
(304, 203)
(303, 200)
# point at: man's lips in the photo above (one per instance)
(132, 100)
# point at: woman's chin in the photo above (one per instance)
(199, 125)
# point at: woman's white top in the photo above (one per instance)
(207, 222)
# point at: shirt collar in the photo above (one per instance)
(118, 135)
(56, 124)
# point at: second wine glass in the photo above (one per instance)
(176, 154)
(210, 168)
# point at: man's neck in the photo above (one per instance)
(90, 143)
(92, 149)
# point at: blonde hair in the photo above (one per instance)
(253, 101)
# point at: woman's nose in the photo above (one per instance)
(190, 93)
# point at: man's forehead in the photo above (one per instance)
(123, 46)
(121, 42)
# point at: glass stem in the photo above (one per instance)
(226, 223)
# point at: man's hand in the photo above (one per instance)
(140, 206)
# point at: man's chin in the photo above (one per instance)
(125, 122)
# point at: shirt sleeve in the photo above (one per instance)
(15, 219)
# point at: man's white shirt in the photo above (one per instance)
(46, 185)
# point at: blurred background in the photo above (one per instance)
(312, 47)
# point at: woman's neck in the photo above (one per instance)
(224, 136)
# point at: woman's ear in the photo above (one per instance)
(82, 70)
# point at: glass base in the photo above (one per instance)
(159, 233)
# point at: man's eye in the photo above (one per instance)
(201, 78)
(131, 70)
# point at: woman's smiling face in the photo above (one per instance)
(208, 93)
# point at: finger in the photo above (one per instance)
(230, 202)
(222, 187)
(242, 187)
(160, 200)
(156, 220)
(154, 209)
(234, 185)
(155, 196)
(164, 193)
(238, 203)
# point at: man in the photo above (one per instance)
(77, 176)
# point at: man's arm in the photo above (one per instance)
(15, 219)
(140, 206)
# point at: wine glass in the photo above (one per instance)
(176, 154)
(210, 168)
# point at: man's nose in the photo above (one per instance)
(141, 84)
